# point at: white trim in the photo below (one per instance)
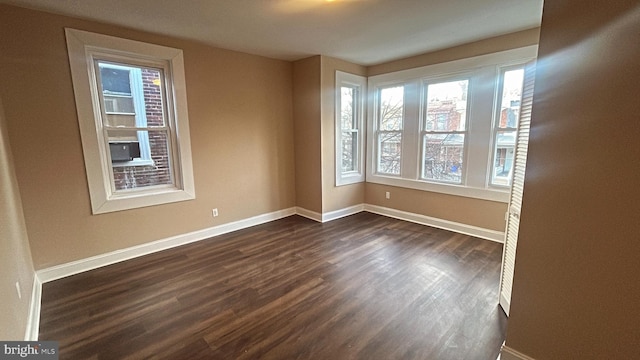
(94, 262)
(33, 321)
(479, 232)
(309, 214)
(337, 214)
(488, 234)
(508, 353)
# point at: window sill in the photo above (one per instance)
(497, 195)
(349, 178)
(141, 198)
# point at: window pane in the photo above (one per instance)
(115, 80)
(349, 150)
(391, 108)
(504, 155)
(511, 95)
(443, 157)
(389, 151)
(120, 120)
(348, 118)
(132, 177)
(152, 80)
(447, 106)
(134, 91)
(118, 104)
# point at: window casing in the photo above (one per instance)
(446, 142)
(349, 125)
(131, 104)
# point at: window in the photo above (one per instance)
(131, 104)
(390, 126)
(445, 129)
(506, 125)
(449, 127)
(349, 128)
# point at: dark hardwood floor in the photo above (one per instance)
(361, 287)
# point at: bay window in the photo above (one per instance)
(449, 127)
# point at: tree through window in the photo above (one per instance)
(390, 115)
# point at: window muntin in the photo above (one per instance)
(130, 93)
(506, 125)
(443, 137)
(390, 125)
(349, 125)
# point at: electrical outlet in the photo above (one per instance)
(214, 212)
(18, 290)
(387, 195)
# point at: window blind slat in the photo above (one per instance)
(515, 198)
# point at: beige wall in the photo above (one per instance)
(15, 255)
(481, 213)
(306, 113)
(576, 291)
(240, 113)
(482, 47)
(474, 212)
(335, 197)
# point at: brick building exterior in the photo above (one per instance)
(128, 177)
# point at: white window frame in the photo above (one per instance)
(483, 73)
(359, 84)
(83, 47)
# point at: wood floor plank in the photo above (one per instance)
(361, 287)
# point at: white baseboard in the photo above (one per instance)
(94, 262)
(508, 353)
(337, 214)
(33, 321)
(309, 214)
(493, 235)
